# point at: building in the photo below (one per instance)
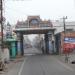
(8, 30)
(59, 35)
(34, 22)
(58, 25)
(35, 25)
(65, 42)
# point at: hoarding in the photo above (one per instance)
(69, 40)
(69, 45)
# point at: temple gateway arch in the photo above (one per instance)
(35, 25)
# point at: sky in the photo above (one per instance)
(15, 10)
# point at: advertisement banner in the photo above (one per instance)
(69, 45)
(69, 40)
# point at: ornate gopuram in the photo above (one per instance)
(35, 25)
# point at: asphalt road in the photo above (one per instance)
(44, 65)
(31, 51)
(40, 65)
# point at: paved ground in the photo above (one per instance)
(33, 50)
(71, 58)
(45, 65)
(13, 67)
(41, 65)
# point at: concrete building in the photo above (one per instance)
(60, 36)
(58, 25)
(35, 25)
(8, 30)
(33, 22)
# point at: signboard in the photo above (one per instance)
(69, 40)
(69, 45)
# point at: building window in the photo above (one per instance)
(34, 21)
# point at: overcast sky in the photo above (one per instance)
(47, 9)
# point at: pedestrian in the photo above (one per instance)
(43, 50)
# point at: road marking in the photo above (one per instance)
(65, 66)
(20, 71)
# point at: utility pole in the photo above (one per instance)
(64, 25)
(1, 36)
(1, 23)
(66, 54)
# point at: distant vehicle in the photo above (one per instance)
(73, 62)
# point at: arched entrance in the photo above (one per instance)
(34, 25)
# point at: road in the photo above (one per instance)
(30, 51)
(44, 65)
(41, 65)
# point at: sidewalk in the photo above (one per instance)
(62, 57)
(71, 58)
(13, 67)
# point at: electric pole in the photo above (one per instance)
(66, 54)
(64, 25)
(1, 23)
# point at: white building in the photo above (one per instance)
(60, 27)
